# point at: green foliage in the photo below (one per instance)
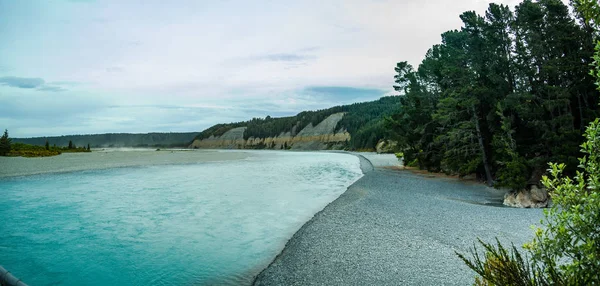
(504, 95)
(570, 242)
(166, 140)
(217, 130)
(27, 150)
(566, 251)
(589, 12)
(414, 163)
(513, 175)
(5, 145)
(596, 71)
(569, 245)
(501, 266)
(364, 121)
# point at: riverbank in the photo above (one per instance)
(394, 227)
(110, 158)
(214, 223)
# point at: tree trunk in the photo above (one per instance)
(581, 120)
(486, 165)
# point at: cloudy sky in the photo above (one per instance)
(81, 67)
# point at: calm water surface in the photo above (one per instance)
(192, 224)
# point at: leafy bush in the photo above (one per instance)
(570, 243)
(567, 250)
(502, 266)
(512, 175)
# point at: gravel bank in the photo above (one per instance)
(397, 228)
(109, 158)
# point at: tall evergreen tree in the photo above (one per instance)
(502, 96)
(5, 142)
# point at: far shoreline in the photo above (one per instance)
(110, 158)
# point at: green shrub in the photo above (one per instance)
(512, 175)
(502, 266)
(567, 250)
(399, 155)
(569, 245)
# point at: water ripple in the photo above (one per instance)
(208, 223)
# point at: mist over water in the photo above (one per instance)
(206, 223)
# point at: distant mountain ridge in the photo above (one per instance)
(108, 140)
(358, 126)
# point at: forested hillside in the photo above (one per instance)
(364, 121)
(502, 96)
(115, 140)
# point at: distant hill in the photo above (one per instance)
(116, 140)
(358, 126)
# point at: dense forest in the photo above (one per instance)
(364, 121)
(502, 96)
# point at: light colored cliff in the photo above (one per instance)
(232, 139)
(322, 136)
(317, 137)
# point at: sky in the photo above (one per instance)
(85, 67)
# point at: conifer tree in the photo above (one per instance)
(567, 250)
(5, 142)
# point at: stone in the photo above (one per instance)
(528, 198)
(537, 194)
(470, 177)
(510, 199)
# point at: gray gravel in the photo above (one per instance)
(398, 228)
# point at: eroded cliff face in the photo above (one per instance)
(232, 139)
(320, 137)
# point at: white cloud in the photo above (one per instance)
(216, 53)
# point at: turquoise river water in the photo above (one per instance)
(175, 224)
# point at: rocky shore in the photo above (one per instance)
(397, 228)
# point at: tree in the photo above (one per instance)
(569, 245)
(88, 147)
(47, 145)
(501, 97)
(5, 142)
(71, 144)
(567, 250)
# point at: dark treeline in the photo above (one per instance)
(8, 148)
(364, 121)
(161, 140)
(501, 97)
